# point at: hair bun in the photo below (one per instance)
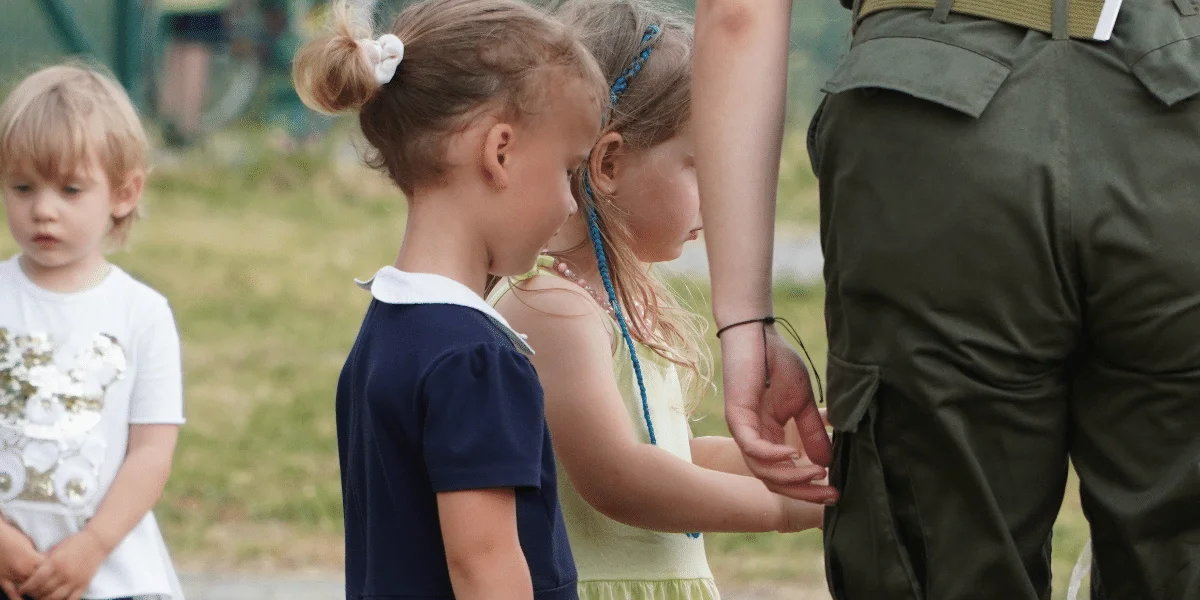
(331, 73)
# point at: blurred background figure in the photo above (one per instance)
(193, 27)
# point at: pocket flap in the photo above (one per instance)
(1171, 73)
(946, 74)
(852, 389)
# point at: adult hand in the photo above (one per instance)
(757, 414)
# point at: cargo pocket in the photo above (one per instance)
(1161, 46)
(951, 76)
(1172, 72)
(863, 555)
(814, 150)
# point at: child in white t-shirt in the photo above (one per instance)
(90, 386)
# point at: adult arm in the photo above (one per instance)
(739, 93)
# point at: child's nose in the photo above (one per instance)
(44, 207)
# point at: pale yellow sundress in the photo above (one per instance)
(616, 561)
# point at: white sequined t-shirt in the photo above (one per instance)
(76, 370)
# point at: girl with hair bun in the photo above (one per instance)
(480, 111)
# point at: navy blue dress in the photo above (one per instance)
(436, 398)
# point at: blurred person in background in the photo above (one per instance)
(193, 26)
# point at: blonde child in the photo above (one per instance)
(478, 110)
(90, 382)
(636, 482)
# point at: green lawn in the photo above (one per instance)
(797, 209)
(258, 261)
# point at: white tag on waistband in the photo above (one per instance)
(1108, 19)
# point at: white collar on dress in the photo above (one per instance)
(393, 286)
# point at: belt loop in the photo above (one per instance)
(1187, 8)
(855, 15)
(1062, 10)
(941, 12)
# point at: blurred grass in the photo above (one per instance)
(257, 253)
(798, 208)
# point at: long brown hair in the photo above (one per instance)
(460, 56)
(653, 109)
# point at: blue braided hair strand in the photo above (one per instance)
(619, 87)
(602, 264)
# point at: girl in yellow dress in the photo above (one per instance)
(621, 363)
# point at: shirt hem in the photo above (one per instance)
(567, 591)
(458, 481)
(155, 421)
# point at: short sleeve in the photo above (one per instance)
(158, 382)
(484, 423)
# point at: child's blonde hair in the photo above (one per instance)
(653, 108)
(460, 56)
(61, 118)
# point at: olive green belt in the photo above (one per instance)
(1085, 19)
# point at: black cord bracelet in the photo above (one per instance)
(767, 320)
(771, 320)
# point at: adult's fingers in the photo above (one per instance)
(786, 473)
(757, 448)
(813, 435)
(816, 492)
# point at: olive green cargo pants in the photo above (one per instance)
(1011, 228)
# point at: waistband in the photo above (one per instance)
(1081, 19)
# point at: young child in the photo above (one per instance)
(478, 110)
(636, 482)
(91, 395)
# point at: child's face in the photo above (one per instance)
(540, 177)
(60, 224)
(656, 188)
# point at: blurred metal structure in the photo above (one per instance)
(126, 55)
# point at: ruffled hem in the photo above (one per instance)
(667, 589)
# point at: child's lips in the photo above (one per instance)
(695, 234)
(45, 240)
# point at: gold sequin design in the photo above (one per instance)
(49, 452)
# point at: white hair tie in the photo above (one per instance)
(383, 56)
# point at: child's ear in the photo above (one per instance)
(126, 197)
(604, 165)
(497, 147)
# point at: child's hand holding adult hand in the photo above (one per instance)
(757, 415)
(68, 568)
(19, 558)
(799, 515)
